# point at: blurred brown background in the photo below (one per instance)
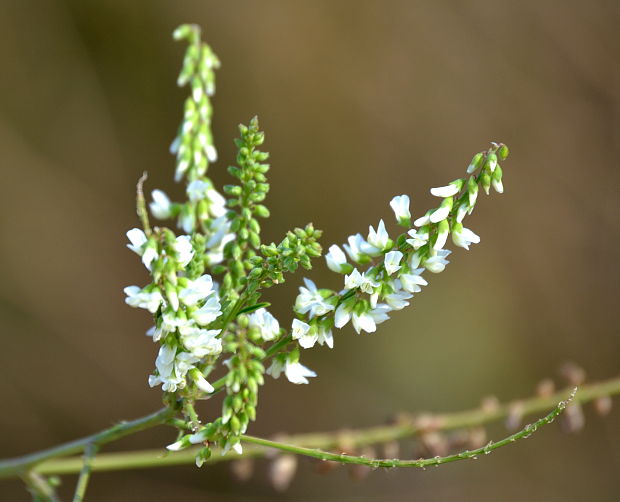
(361, 100)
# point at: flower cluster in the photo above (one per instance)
(394, 268)
(206, 283)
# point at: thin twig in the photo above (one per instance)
(40, 487)
(80, 490)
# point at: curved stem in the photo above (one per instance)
(80, 490)
(354, 438)
(419, 463)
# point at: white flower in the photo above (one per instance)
(138, 239)
(446, 191)
(367, 321)
(183, 246)
(161, 206)
(201, 381)
(172, 321)
(461, 212)
(209, 312)
(497, 184)
(266, 323)
(423, 220)
(418, 238)
(472, 194)
(299, 331)
(297, 372)
(357, 280)
(165, 360)
(211, 153)
(443, 229)
(354, 248)
(463, 237)
(400, 206)
(140, 245)
(276, 368)
(442, 212)
(324, 336)
(336, 260)
(438, 262)
(196, 290)
(202, 342)
(392, 261)
(310, 301)
(187, 220)
(217, 203)
(197, 190)
(411, 282)
(398, 299)
(342, 315)
(377, 240)
(219, 236)
(141, 298)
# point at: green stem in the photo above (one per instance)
(420, 463)
(354, 439)
(80, 490)
(39, 487)
(20, 465)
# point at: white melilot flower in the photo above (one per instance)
(463, 237)
(461, 212)
(400, 206)
(266, 323)
(197, 190)
(297, 373)
(354, 248)
(392, 261)
(300, 331)
(187, 221)
(196, 290)
(161, 205)
(202, 342)
(183, 246)
(472, 195)
(445, 191)
(137, 297)
(412, 281)
(336, 259)
(310, 301)
(497, 185)
(357, 280)
(324, 336)
(398, 299)
(138, 239)
(209, 312)
(423, 220)
(418, 238)
(211, 153)
(201, 382)
(442, 235)
(438, 262)
(342, 316)
(363, 322)
(440, 214)
(217, 204)
(377, 240)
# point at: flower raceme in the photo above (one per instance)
(206, 282)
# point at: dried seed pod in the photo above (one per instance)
(545, 388)
(435, 443)
(477, 437)
(515, 416)
(573, 419)
(489, 404)
(574, 374)
(391, 449)
(242, 469)
(359, 472)
(602, 405)
(282, 471)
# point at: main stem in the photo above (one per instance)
(44, 462)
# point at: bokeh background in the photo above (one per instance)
(361, 100)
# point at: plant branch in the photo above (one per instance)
(80, 490)
(44, 463)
